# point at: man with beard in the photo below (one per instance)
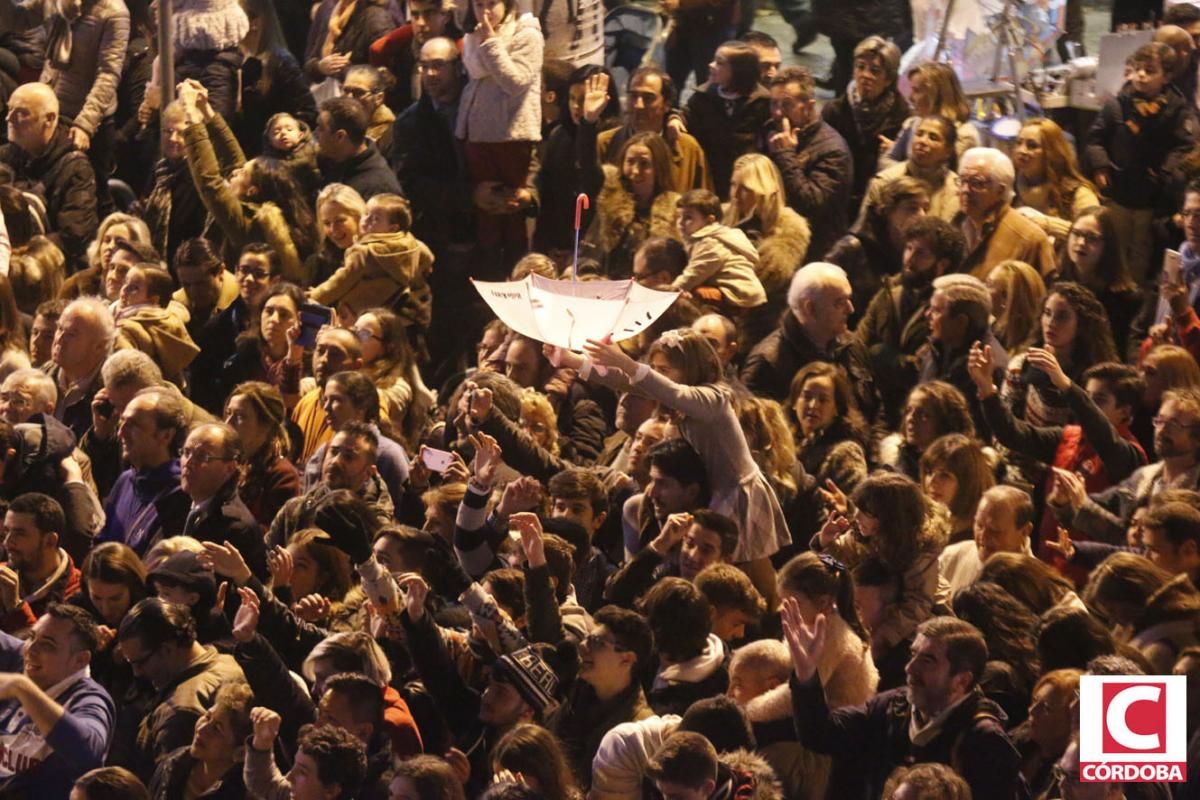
(38, 571)
(349, 465)
(941, 716)
(652, 95)
(1104, 516)
(894, 329)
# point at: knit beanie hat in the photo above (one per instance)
(532, 677)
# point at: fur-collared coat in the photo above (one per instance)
(782, 252)
(618, 229)
(849, 677)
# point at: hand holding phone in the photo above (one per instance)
(436, 460)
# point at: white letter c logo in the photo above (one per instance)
(1118, 709)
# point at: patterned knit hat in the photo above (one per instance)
(532, 677)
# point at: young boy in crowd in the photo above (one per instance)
(144, 323)
(387, 266)
(1136, 147)
(721, 260)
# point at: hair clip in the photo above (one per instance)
(832, 563)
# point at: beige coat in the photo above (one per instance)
(382, 269)
(723, 258)
(1007, 234)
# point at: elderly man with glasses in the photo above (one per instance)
(994, 231)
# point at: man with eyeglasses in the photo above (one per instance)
(56, 722)
(257, 271)
(208, 473)
(399, 51)
(1103, 516)
(158, 641)
(993, 230)
(365, 84)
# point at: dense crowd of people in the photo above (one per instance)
(288, 513)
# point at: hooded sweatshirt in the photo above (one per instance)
(723, 258)
(383, 269)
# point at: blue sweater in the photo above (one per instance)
(50, 765)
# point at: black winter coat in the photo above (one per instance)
(726, 129)
(818, 180)
(864, 143)
(62, 176)
(272, 83)
(869, 741)
(367, 173)
(372, 19)
(428, 160)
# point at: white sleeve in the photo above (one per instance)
(620, 764)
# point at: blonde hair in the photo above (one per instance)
(1176, 366)
(166, 548)
(769, 656)
(342, 196)
(762, 177)
(769, 437)
(537, 406)
(1024, 292)
(136, 231)
(942, 84)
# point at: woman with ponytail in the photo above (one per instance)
(820, 584)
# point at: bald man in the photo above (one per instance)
(1184, 76)
(44, 161)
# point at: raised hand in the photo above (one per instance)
(280, 565)
(312, 607)
(785, 141)
(1045, 360)
(979, 367)
(805, 642)
(834, 498)
(672, 533)
(606, 354)
(1068, 490)
(245, 622)
(523, 494)
(530, 528)
(835, 525)
(10, 588)
(225, 560)
(415, 590)
(479, 405)
(457, 471)
(1063, 545)
(266, 727)
(487, 458)
(105, 418)
(595, 96)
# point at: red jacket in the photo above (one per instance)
(400, 726)
(61, 585)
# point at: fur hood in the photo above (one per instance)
(745, 775)
(616, 211)
(781, 253)
(847, 673)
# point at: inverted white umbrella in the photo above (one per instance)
(567, 313)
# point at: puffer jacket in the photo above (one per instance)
(502, 101)
(63, 179)
(383, 269)
(724, 258)
(86, 86)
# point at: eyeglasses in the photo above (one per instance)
(200, 457)
(250, 272)
(977, 183)
(137, 663)
(14, 399)
(364, 335)
(1087, 236)
(357, 92)
(1173, 426)
(595, 641)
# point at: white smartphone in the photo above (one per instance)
(1172, 269)
(437, 460)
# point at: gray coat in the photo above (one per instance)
(87, 88)
(502, 102)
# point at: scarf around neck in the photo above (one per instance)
(339, 18)
(869, 115)
(58, 46)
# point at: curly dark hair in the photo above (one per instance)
(340, 757)
(1093, 333)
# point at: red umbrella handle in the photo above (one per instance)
(581, 202)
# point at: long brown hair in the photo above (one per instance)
(1134, 580)
(900, 502)
(1062, 169)
(1112, 273)
(532, 750)
(817, 577)
(660, 157)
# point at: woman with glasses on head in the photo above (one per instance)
(388, 360)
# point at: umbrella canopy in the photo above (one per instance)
(568, 313)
